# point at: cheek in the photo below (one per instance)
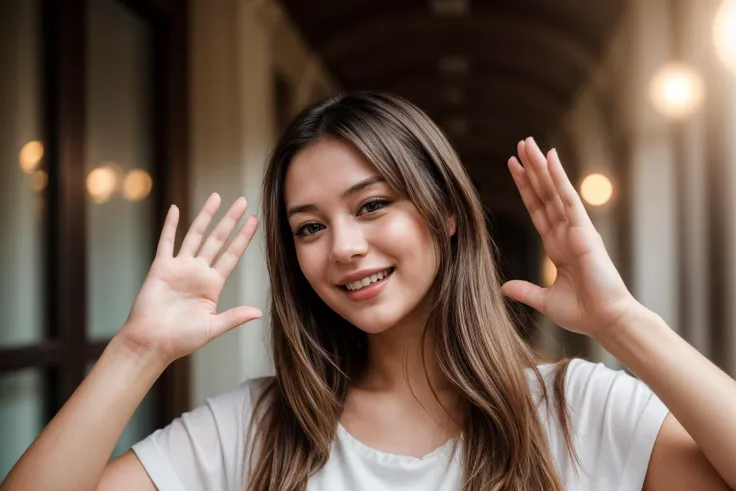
(311, 262)
(408, 239)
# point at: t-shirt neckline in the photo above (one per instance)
(344, 435)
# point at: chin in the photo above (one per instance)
(374, 327)
(376, 316)
(374, 321)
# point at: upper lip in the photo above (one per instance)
(359, 275)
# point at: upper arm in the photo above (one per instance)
(678, 464)
(125, 473)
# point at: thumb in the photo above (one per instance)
(525, 292)
(230, 319)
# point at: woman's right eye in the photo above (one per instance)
(308, 229)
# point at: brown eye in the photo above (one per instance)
(309, 229)
(373, 205)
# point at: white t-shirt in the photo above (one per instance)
(615, 419)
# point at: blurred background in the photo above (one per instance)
(111, 110)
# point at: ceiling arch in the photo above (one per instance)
(422, 30)
(487, 85)
(496, 72)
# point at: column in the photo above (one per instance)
(232, 117)
(654, 254)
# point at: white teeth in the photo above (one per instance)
(357, 285)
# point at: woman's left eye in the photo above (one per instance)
(374, 205)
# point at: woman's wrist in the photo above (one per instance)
(138, 352)
(634, 321)
(637, 337)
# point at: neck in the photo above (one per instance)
(402, 364)
(402, 359)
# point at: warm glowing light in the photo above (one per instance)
(596, 189)
(137, 185)
(724, 34)
(676, 90)
(102, 183)
(40, 180)
(549, 271)
(30, 156)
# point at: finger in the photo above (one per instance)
(230, 319)
(529, 197)
(194, 236)
(532, 178)
(168, 233)
(526, 164)
(526, 293)
(574, 207)
(230, 256)
(214, 243)
(536, 165)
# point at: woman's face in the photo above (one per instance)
(363, 248)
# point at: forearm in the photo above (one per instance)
(73, 450)
(699, 394)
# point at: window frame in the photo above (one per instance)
(65, 350)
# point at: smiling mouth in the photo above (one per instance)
(358, 285)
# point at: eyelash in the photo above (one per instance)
(301, 231)
(382, 201)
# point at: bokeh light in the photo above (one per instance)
(40, 180)
(549, 272)
(676, 90)
(724, 34)
(137, 185)
(596, 189)
(102, 182)
(30, 156)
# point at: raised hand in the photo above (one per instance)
(588, 294)
(175, 312)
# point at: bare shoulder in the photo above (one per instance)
(124, 473)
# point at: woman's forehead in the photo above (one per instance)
(326, 168)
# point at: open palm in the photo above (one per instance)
(175, 312)
(588, 293)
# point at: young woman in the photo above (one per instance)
(397, 364)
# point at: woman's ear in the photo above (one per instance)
(452, 224)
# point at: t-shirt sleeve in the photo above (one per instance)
(616, 419)
(203, 449)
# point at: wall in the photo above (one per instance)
(237, 49)
(665, 228)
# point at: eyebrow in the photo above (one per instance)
(355, 188)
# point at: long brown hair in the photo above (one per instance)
(317, 353)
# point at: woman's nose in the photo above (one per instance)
(348, 241)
